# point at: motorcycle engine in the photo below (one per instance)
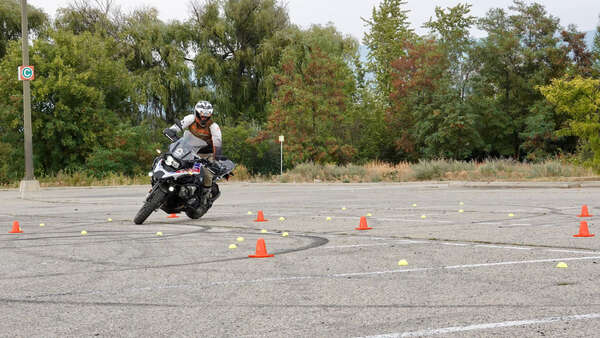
(187, 191)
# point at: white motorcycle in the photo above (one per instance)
(177, 177)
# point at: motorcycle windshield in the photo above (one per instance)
(227, 166)
(185, 148)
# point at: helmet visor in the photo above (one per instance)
(203, 113)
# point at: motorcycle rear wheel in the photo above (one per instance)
(196, 213)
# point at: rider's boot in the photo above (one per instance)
(204, 195)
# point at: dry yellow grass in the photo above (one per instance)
(438, 170)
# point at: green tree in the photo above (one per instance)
(388, 32)
(80, 91)
(258, 157)
(369, 132)
(579, 100)
(428, 118)
(237, 44)
(369, 127)
(415, 78)
(10, 22)
(596, 52)
(313, 92)
(155, 54)
(130, 150)
(520, 53)
(451, 29)
(581, 57)
(94, 16)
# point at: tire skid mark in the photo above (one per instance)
(315, 235)
(71, 259)
(80, 243)
(323, 306)
(445, 241)
(315, 242)
(108, 304)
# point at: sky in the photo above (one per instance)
(346, 14)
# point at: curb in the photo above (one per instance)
(525, 185)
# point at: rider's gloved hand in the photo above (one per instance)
(214, 167)
(170, 133)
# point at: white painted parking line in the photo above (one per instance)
(501, 247)
(378, 244)
(313, 277)
(488, 326)
(388, 219)
(569, 251)
(515, 248)
(375, 273)
(508, 247)
(515, 225)
(359, 245)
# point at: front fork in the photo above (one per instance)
(164, 186)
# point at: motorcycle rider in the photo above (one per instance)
(201, 126)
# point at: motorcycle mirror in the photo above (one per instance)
(178, 123)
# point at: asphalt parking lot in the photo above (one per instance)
(481, 261)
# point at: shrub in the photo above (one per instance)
(437, 169)
(259, 157)
(131, 151)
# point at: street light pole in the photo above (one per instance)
(28, 184)
(281, 138)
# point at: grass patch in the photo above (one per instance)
(351, 173)
(439, 169)
(82, 179)
(435, 170)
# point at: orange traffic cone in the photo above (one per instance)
(583, 230)
(584, 212)
(363, 224)
(172, 216)
(260, 217)
(261, 250)
(16, 229)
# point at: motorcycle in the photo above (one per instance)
(176, 180)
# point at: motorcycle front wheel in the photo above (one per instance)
(152, 203)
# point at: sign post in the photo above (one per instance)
(281, 139)
(28, 184)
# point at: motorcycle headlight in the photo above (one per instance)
(172, 162)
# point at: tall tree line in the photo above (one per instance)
(108, 81)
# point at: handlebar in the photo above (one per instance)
(173, 139)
